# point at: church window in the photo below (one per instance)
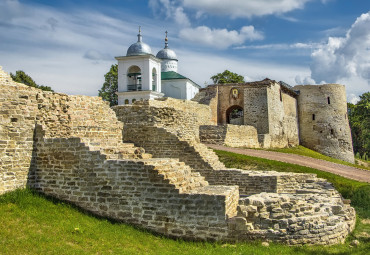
(133, 100)
(328, 100)
(313, 116)
(332, 131)
(126, 101)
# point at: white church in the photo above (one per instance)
(141, 75)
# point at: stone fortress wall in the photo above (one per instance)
(271, 110)
(70, 147)
(323, 120)
(283, 116)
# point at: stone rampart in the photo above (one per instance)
(169, 128)
(18, 111)
(229, 135)
(162, 195)
(70, 147)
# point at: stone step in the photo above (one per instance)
(178, 173)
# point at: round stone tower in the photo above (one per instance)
(323, 120)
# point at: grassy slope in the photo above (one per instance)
(300, 150)
(33, 224)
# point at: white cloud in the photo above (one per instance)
(220, 38)
(352, 98)
(67, 50)
(279, 46)
(180, 17)
(201, 66)
(345, 59)
(305, 80)
(244, 8)
(170, 10)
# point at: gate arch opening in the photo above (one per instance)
(235, 115)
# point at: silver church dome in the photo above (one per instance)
(139, 48)
(166, 53)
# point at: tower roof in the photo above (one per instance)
(166, 53)
(139, 48)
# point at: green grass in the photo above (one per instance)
(34, 224)
(303, 151)
(358, 192)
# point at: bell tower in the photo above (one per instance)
(139, 74)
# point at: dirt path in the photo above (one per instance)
(345, 171)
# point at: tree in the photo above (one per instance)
(227, 77)
(24, 78)
(110, 86)
(359, 120)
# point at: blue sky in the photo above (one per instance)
(70, 45)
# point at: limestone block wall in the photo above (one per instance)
(209, 96)
(229, 135)
(18, 113)
(173, 125)
(162, 195)
(256, 108)
(282, 117)
(323, 120)
(178, 116)
(255, 182)
(164, 144)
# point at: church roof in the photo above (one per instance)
(139, 48)
(171, 75)
(166, 53)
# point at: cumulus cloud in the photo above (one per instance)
(305, 80)
(344, 57)
(352, 98)
(243, 8)
(220, 38)
(170, 10)
(55, 51)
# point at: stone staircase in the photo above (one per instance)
(178, 174)
(119, 151)
(208, 155)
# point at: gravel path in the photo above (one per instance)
(345, 171)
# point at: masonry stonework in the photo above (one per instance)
(323, 121)
(74, 148)
(229, 135)
(312, 115)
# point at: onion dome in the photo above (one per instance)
(139, 48)
(166, 53)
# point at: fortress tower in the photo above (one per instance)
(323, 120)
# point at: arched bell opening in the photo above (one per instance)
(134, 79)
